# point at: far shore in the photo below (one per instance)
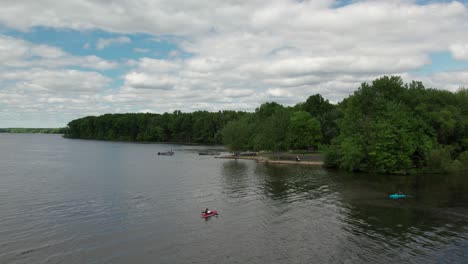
(311, 159)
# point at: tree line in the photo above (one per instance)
(271, 127)
(386, 126)
(198, 127)
(34, 130)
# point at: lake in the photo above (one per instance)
(84, 201)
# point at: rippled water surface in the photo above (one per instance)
(77, 201)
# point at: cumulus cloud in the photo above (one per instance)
(146, 81)
(45, 98)
(17, 53)
(37, 86)
(237, 92)
(279, 92)
(103, 43)
(241, 54)
(452, 80)
(62, 81)
(459, 51)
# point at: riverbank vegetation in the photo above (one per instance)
(391, 127)
(386, 126)
(33, 130)
(198, 127)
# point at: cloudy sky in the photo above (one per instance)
(60, 60)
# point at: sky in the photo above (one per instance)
(62, 60)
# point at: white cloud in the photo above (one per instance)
(146, 111)
(38, 89)
(62, 81)
(50, 98)
(147, 81)
(17, 53)
(228, 92)
(244, 53)
(279, 92)
(103, 43)
(452, 80)
(157, 65)
(459, 51)
(141, 50)
(174, 53)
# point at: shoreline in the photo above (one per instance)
(260, 159)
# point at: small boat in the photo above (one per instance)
(397, 196)
(166, 153)
(212, 213)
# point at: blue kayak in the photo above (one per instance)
(397, 196)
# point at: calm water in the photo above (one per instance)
(77, 201)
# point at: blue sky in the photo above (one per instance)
(83, 43)
(67, 60)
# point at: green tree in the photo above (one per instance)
(304, 130)
(381, 129)
(236, 134)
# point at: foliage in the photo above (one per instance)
(439, 160)
(197, 127)
(325, 112)
(304, 131)
(386, 126)
(33, 130)
(273, 127)
(391, 127)
(236, 134)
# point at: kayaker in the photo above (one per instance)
(207, 211)
(399, 193)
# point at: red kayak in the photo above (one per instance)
(211, 213)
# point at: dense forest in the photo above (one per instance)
(271, 127)
(391, 127)
(197, 127)
(33, 130)
(386, 126)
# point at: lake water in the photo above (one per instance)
(79, 201)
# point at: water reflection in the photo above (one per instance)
(426, 192)
(102, 202)
(290, 183)
(434, 216)
(235, 177)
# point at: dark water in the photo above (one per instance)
(76, 201)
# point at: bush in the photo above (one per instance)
(331, 157)
(439, 160)
(461, 163)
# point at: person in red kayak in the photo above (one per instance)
(207, 211)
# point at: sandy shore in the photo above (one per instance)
(266, 160)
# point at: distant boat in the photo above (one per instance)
(209, 153)
(166, 153)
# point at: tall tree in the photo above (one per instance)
(304, 130)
